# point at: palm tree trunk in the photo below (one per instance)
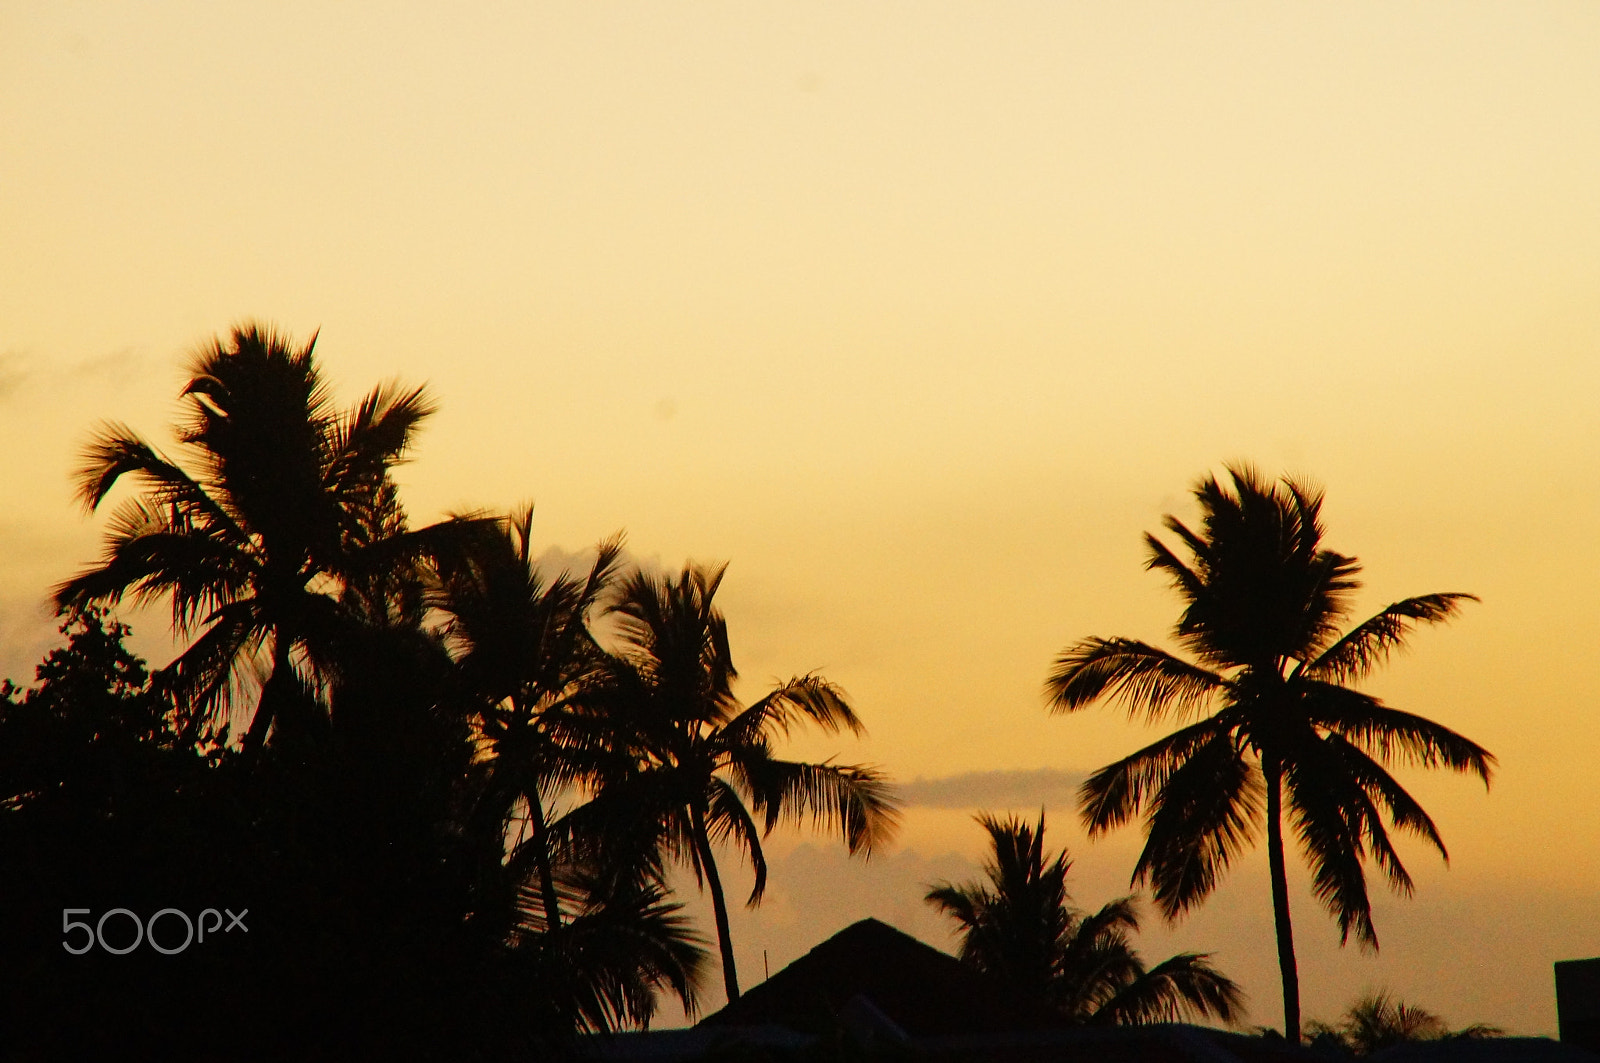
(719, 904)
(541, 858)
(271, 690)
(1280, 901)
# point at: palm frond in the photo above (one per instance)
(1382, 788)
(203, 680)
(808, 696)
(850, 800)
(728, 821)
(1185, 580)
(1371, 642)
(1392, 735)
(1203, 816)
(1184, 988)
(375, 434)
(117, 452)
(1115, 793)
(607, 965)
(1143, 677)
(1334, 820)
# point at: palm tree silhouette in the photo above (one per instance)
(1263, 599)
(1021, 928)
(1379, 1020)
(703, 769)
(523, 647)
(289, 509)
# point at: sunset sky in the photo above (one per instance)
(919, 314)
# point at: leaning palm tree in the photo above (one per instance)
(1021, 928)
(277, 530)
(702, 769)
(1263, 600)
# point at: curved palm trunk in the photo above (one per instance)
(1280, 902)
(271, 692)
(541, 858)
(719, 904)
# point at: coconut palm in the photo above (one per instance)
(1379, 1020)
(522, 645)
(1269, 725)
(1021, 928)
(282, 525)
(703, 769)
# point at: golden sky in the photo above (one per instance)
(920, 314)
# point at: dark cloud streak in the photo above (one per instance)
(1014, 788)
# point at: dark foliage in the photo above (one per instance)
(1021, 928)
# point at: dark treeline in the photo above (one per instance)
(430, 813)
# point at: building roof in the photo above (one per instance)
(921, 991)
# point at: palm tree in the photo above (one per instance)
(284, 524)
(1379, 1020)
(1021, 928)
(523, 646)
(1263, 600)
(702, 766)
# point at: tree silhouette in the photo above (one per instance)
(523, 647)
(1379, 1020)
(1263, 600)
(289, 507)
(1021, 928)
(702, 766)
(367, 835)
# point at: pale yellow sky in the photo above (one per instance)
(920, 314)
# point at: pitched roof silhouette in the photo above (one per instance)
(921, 991)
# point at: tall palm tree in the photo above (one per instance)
(285, 507)
(1263, 601)
(703, 770)
(523, 646)
(1022, 928)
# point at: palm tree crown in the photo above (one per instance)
(1021, 928)
(1263, 603)
(703, 770)
(286, 507)
(1379, 1020)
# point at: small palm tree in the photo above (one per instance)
(1379, 1020)
(283, 526)
(702, 769)
(1263, 599)
(1021, 928)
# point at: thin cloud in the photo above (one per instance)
(13, 372)
(1017, 788)
(117, 368)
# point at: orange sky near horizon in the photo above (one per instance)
(920, 314)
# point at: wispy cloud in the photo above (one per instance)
(13, 371)
(1017, 788)
(117, 368)
(53, 377)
